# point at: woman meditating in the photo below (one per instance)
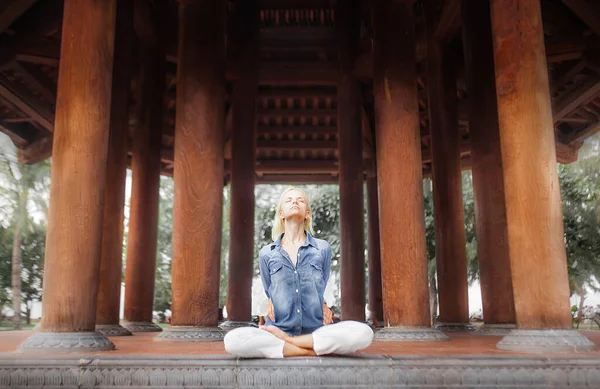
(294, 270)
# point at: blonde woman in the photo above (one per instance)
(294, 271)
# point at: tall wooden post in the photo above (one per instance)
(109, 291)
(403, 253)
(74, 236)
(450, 248)
(243, 151)
(145, 168)
(531, 189)
(375, 297)
(351, 174)
(198, 172)
(488, 183)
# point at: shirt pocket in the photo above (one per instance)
(277, 271)
(316, 268)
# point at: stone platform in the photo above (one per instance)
(467, 361)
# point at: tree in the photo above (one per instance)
(162, 280)
(24, 190)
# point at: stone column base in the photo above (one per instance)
(454, 327)
(140, 326)
(112, 330)
(66, 342)
(409, 334)
(191, 334)
(545, 341)
(495, 329)
(230, 325)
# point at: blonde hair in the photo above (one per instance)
(278, 222)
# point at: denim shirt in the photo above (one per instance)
(296, 292)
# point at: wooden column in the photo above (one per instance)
(450, 248)
(243, 162)
(401, 217)
(145, 168)
(74, 235)
(351, 174)
(488, 183)
(375, 298)
(533, 209)
(198, 168)
(109, 291)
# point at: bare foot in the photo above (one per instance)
(277, 332)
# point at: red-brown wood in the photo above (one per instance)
(450, 249)
(145, 168)
(74, 236)
(352, 268)
(374, 253)
(533, 208)
(198, 202)
(109, 290)
(401, 217)
(488, 183)
(243, 163)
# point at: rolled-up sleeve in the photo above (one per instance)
(265, 276)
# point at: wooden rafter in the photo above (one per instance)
(575, 98)
(27, 102)
(449, 21)
(588, 13)
(36, 79)
(12, 10)
(38, 151)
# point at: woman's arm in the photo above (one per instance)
(327, 254)
(265, 275)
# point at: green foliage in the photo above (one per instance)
(162, 278)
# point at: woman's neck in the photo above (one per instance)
(294, 233)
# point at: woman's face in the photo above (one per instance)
(294, 206)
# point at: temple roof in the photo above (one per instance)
(297, 105)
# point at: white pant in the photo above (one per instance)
(344, 337)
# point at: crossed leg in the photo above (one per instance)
(270, 342)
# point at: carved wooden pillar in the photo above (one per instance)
(198, 171)
(533, 209)
(450, 248)
(403, 253)
(488, 183)
(243, 162)
(109, 291)
(74, 236)
(351, 173)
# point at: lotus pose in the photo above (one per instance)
(294, 270)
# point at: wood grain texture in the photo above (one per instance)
(198, 171)
(401, 217)
(73, 241)
(351, 174)
(488, 182)
(533, 208)
(450, 249)
(145, 171)
(109, 290)
(243, 164)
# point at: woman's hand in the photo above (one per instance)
(270, 310)
(327, 315)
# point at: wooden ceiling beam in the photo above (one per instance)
(308, 113)
(586, 12)
(27, 102)
(37, 151)
(275, 76)
(296, 130)
(40, 21)
(11, 11)
(36, 79)
(297, 93)
(21, 134)
(575, 98)
(293, 145)
(449, 22)
(296, 179)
